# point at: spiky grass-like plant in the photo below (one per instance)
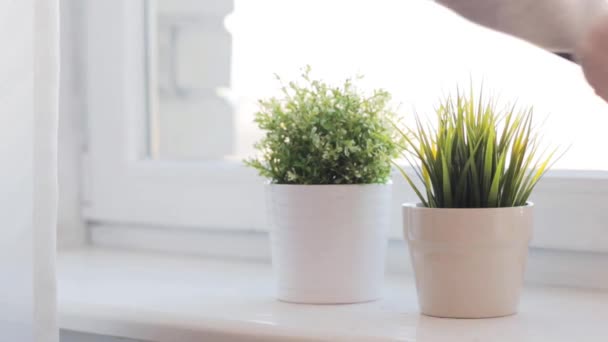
(476, 156)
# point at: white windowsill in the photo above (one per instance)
(160, 297)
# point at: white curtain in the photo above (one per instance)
(28, 171)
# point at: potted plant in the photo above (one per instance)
(327, 154)
(468, 238)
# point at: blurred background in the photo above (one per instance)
(158, 96)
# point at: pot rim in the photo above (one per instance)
(418, 206)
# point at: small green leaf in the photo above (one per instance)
(317, 133)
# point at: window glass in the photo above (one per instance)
(209, 61)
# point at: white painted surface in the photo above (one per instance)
(28, 155)
(553, 267)
(169, 298)
(329, 241)
(204, 196)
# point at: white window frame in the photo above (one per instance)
(125, 189)
(125, 186)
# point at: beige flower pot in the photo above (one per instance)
(468, 263)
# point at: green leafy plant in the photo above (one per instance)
(320, 134)
(476, 156)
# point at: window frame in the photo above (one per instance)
(123, 188)
(119, 174)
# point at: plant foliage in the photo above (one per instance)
(320, 134)
(476, 156)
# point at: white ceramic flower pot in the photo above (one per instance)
(468, 263)
(329, 241)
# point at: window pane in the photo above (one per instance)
(211, 60)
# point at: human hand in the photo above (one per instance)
(593, 56)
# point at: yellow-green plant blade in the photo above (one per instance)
(488, 164)
(411, 183)
(477, 154)
(493, 198)
(447, 186)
